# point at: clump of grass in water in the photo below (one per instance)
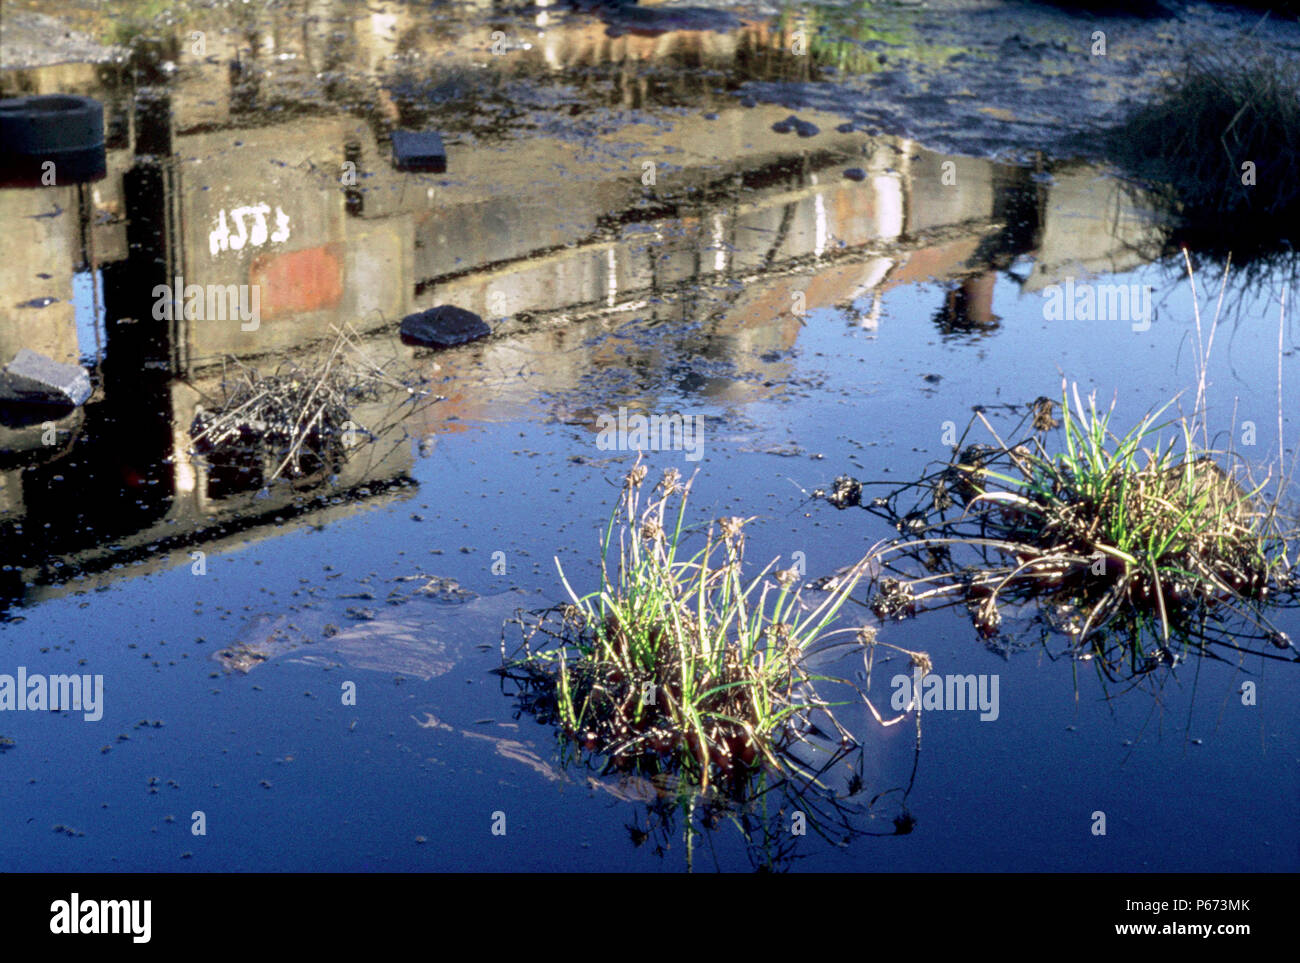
(1115, 536)
(1187, 150)
(675, 658)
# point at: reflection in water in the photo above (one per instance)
(619, 207)
(838, 790)
(773, 819)
(232, 170)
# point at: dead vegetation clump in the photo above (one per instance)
(298, 420)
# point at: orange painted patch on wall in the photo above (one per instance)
(299, 281)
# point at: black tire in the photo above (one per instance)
(62, 128)
(51, 123)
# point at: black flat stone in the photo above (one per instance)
(419, 151)
(443, 327)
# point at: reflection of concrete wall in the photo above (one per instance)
(504, 202)
(510, 226)
(933, 203)
(264, 521)
(203, 96)
(110, 210)
(11, 492)
(193, 512)
(71, 78)
(533, 224)
(312, 268)
(937, 261)
(32, 244)
(503, 379)
(1090, 226)
(195, 520)
(724, 239)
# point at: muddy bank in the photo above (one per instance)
(32, 39)
(981, 78)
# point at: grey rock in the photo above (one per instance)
(34, 379)
(443, 327)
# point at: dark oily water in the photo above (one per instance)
(302, 668)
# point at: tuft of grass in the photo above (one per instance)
(675, 662)
(1159, 522)
(1186, 150)
(1115, 539)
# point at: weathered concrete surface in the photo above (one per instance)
(38, 248)
(1090, 226)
